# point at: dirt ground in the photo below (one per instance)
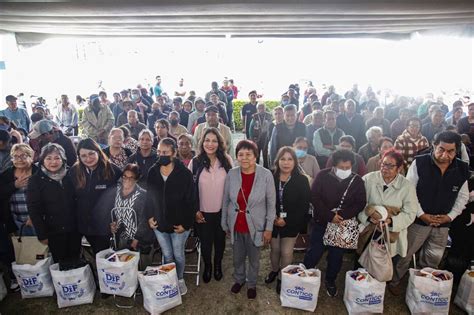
(213, 297)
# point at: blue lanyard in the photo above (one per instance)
(281, 189)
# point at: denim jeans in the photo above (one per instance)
(172, 247)
(316, 250)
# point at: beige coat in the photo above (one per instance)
(402, 195)
(92, 124)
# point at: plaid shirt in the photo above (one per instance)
(19, 207)
(409, 146)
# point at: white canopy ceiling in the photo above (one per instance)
(267, 18)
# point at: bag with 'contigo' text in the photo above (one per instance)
(160, 288)
(429, 291)
(363, 293)
(300, 287)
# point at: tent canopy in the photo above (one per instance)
(36, 21)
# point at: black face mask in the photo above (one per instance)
(174, 122)
(163, 160)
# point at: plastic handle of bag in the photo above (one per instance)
(305, 270)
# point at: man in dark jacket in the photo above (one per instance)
(285, 134)
(442, 190)
(352, 123)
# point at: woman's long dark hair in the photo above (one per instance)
(220, 152)
(80, 168)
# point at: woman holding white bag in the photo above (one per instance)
(389, 188)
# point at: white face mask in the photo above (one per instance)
(343, 174)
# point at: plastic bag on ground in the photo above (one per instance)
(427, 295)
(34, 280)
(465, 294)
(117, 277)
(300, 287)
(73, 287)
(364, 294)
(160, 289)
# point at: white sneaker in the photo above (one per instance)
(182, 287)
(14, 287)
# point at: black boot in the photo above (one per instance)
(278, 287)
(207, 274)
(218, 271)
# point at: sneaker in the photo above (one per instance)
(331, 289)
(14, 287)
(182, 287)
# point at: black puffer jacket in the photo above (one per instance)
(93, 215)
(51, 205)
(171, 202)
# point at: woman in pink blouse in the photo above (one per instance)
(210, 169)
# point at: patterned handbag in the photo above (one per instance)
(345, 234)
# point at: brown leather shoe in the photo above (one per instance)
(236, 288)
(251, 293)
(396, 290)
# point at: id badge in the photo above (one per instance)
(283, 215)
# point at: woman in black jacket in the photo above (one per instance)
(292, 204)
(170, 205)
(92, 175)
(51, 205)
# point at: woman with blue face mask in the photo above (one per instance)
(337, 194)
(306, 161)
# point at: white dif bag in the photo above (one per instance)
(160, 288)
(465, 295)
(3, 288)
(429, 291)
(363, 293)
(73, 287)
(34, 280)
(300, 287)
(118, 271)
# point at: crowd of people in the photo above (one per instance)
(148, 168)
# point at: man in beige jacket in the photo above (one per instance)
(212, 120)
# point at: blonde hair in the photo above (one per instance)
(25, 148)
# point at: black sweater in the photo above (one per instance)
(171, 202)
(50, 205)
(92, 217)
(296, 198)
(326, 194)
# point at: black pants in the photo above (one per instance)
(211, 234)
(65, 246)
(262, 146)
(98, 242)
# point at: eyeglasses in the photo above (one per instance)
(22, 157)
(388, 166)
(125, 177)
(414, 126)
